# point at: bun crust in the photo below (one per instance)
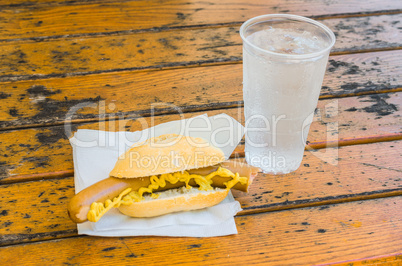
(166, 154)
(175, 200)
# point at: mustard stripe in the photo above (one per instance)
(97, 209)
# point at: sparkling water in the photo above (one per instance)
(280, 94)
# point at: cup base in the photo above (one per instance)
(271, 164)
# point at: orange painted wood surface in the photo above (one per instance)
(122, 58)
(305, 236)
(47, 101)
(36, 210)
(166, 49)
(32, 153)
(30, 19)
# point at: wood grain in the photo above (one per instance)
(30, 154)
(115, 60)
(129, 94)
(32, 20)
(389, 260)
(306, 236)
(327, 176)
(177, 48)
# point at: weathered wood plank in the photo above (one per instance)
(307, 236)
(78, 56)
(30, 154)
(32, 20)
(40, 102)
(36, 210)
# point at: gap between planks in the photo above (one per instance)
(69, 234)
(301, 216)
(84, 63)
(185, 109)
(348, 86)
(180, 21)
(168, 66)
(236, 154)
(348, 133)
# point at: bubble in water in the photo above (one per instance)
(287, 41)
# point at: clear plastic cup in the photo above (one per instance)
(284, 62)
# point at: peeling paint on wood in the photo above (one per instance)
(115, 67)
(72, 17)
(197, 47)
(25, 152)
(322, 235)
(132, 94)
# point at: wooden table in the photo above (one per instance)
(116, 58)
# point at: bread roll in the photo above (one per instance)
(166, 154)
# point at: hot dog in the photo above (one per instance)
(126, 177)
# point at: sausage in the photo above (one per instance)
(111, 187)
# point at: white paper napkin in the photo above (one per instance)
(96, 152)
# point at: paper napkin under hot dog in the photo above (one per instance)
(95, 154)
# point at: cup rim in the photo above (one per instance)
(293, 17)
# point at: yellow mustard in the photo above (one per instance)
(98, 209)
(127, 197)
